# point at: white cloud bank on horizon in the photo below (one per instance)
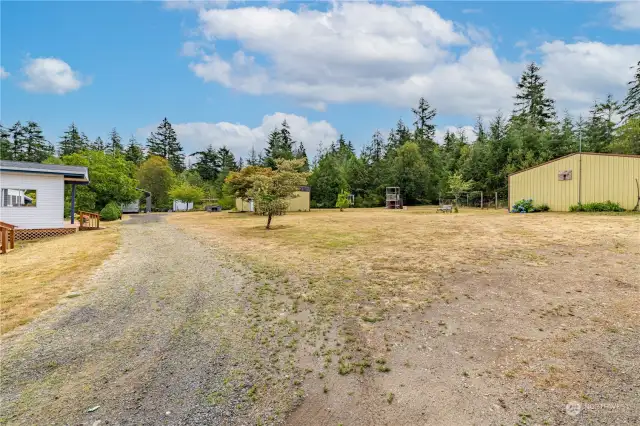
(239, 138)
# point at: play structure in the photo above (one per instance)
(393, 199)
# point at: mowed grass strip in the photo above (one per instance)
(384, 258)
(37, 273)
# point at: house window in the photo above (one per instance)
(12, 197)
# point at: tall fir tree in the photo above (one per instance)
(272, 151)
(71, 142)
(134, 152)
(114, 147)
(227, 159)
(98, 145)
(18, 141)
(207, 164)
(631, 105)
(532, 105)
(285, 136)
(5, 144)
(37, 149)
(301, 154)
(253, 159)
(164, 143)
(424, 115)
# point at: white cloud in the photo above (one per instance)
(626, 15)
(3, 74)
(390, 54)
(240, 138)
(356, 52)
(579, 73)
(51, 75)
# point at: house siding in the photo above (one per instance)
(604, 178)
(49, 209)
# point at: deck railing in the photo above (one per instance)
(7, 237)
(89, 220)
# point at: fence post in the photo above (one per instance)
(481, 199)
(496, 200)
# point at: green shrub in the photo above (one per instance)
(596, 207)
(110, 212)
(527, 206)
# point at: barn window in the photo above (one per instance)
(18, 197)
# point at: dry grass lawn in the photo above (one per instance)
(36, 274)
(387, 258)
(480, 317)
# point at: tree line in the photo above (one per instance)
(533, 133)
(409, 157)
(116, 169)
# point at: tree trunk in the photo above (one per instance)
(341, 209)
(269, 222)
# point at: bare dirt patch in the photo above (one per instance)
(412, 317)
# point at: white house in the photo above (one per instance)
(32, 194)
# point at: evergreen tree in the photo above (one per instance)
(608, 111)
(114, 146)
(98, 145)
(227, 159)
(71, 142)
(286, 141)
(37, 149)
(424, 115)
(133, 152)
(272, 151)
(631, 105)
(208, 163)
(240, 164)
(18, 141)
(532, 105)
(377, 148)
(301, 154)
(6, 153)
(253, 159)
(164, 143)
(599, 129)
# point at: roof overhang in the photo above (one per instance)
(78, 175)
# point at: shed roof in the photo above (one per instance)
(71, 174)
(571, 155)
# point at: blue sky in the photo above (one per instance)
(226, 73)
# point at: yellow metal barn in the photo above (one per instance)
(300, 203)
(579, 178)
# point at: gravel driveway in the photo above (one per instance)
(153, 338)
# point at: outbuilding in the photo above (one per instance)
(301, 202)
(32, 196)
(579, 178)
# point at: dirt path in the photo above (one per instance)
(154, 338)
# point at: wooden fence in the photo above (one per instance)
(89, 221)
(7, 237)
